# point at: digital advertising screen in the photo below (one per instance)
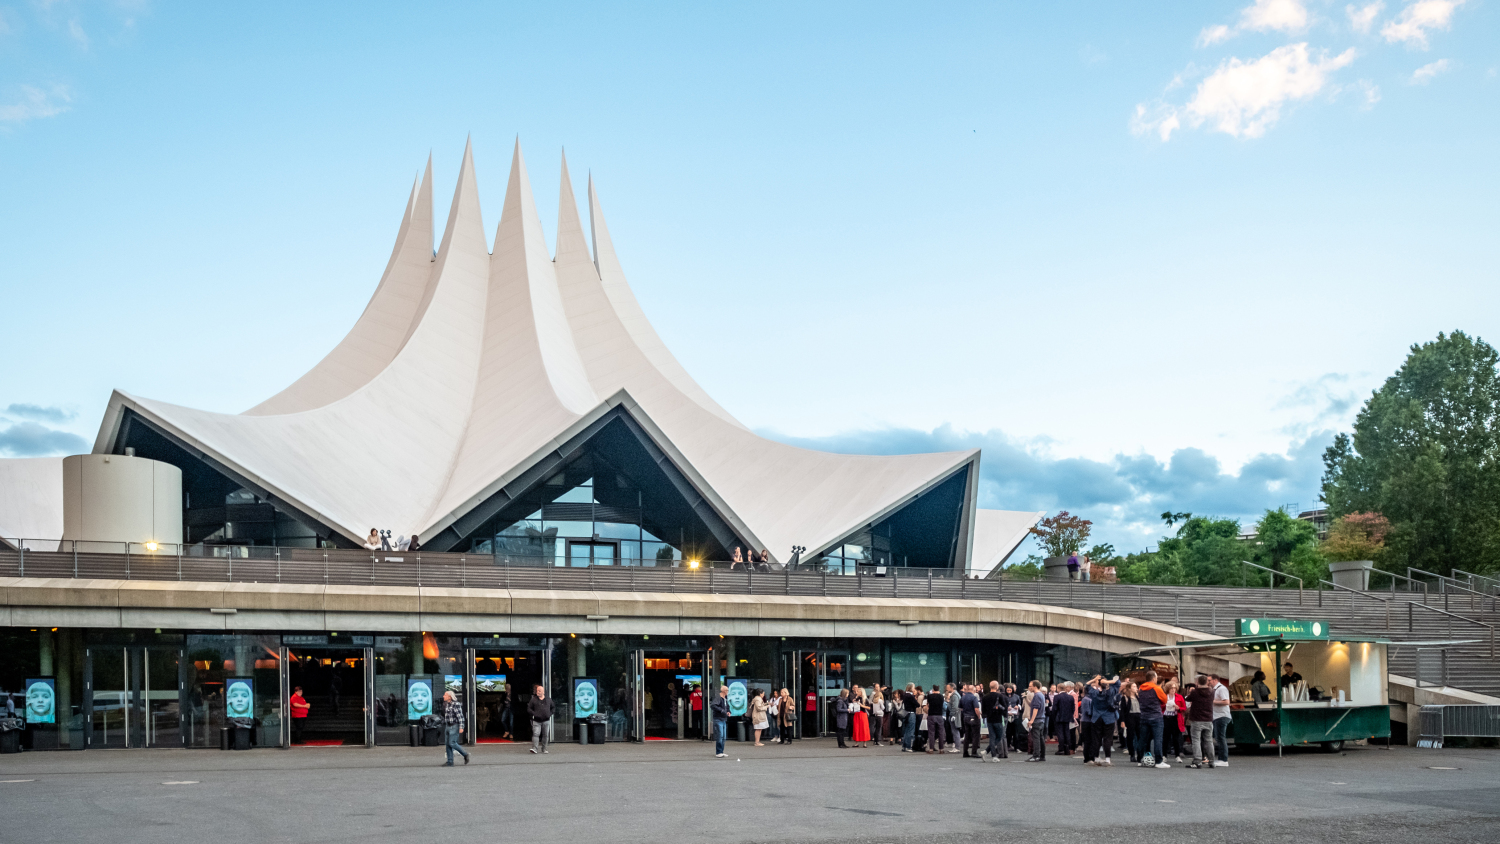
(489, 682)
(453, 683)
(239, 697)
(418, 698)
(585, 697)
(41, 701)
(739, 696)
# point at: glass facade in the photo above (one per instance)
(922, 534)
(588, 513)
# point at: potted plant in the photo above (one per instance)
(1061, 536)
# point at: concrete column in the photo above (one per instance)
(418, 662)
(731, 664)
(578, 664)
(64, 657)
(45, 646)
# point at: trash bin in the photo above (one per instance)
(597, 729)
(583, 732)
(432, 731)
(739, 730)
(242, 733)
(10, 734)
(224, 738)
(414, 735)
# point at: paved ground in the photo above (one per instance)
(676, 791)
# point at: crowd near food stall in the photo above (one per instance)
(1302, 686)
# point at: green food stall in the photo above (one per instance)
(1343, 694)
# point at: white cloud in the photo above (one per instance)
(1417, 19)
(1278, 15)
(1363, 17)
(35, 103)
(75, 31)
(1160, 120)
(1260, 16)
(1214, 34)
(1371, 93)
(1424, 74)
(1244, 99)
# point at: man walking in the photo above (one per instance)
(993, 706)
(720, 707)
(1036, 721)
(1221, 720)
(453, 721)
(1200, 716)
(540, 710)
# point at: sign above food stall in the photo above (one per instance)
(1285, 627)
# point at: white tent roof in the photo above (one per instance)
(467, 367)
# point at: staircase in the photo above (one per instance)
(1401, 617)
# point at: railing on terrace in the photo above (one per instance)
(1209, 609)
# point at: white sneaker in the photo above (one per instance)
(1162, 765)
(1221, 763)
(1108, 764)
(720, 755)
(1179, 760)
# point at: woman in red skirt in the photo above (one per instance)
(859, 715)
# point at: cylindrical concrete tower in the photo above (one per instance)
(114, 498)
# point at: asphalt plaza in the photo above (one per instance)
(809, 791)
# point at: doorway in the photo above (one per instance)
(135, 696)
(503, 684)
(333, 684)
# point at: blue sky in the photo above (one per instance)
(1148, 257)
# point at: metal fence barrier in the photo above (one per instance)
(1457, 721)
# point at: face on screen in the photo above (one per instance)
(39, 703)
(418, 700)
(587, 699)
(737, 695)
(238, 701)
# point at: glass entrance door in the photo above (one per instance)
(333, 683)
(135, 697)
(791, 680)
(591, 554)
(833, 677)
(504, 681)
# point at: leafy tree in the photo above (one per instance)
(1357, 536)
(1424, 454)
(1062, 534)
(1028, 569)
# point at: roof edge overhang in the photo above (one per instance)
(967, 459)
(488, 501)
(121, 405)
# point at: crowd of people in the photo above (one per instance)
(1148, 721)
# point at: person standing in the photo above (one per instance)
(720, 706)
(1173, 721)
(968, 714)
(877, 716)
(859, 720)
(1036, 721)
(539, 708)
(992, 706)
(950, 713)
(299, 707)
(1013, 730)
(1221, 720)
(936, 723)
(787, 714)
(841, 716)
(1104, 708)
(1064, 708)
(1130, 720)
(1084, 566)
(1086, 719)
(910, 704)
(1073, 566)
(759, 716)
(1153, 702)
(1200, 716)
(1260, 693)
(453, 722)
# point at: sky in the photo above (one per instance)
(1147, 256)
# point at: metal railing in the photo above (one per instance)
(1274, 572)
(1445, 584)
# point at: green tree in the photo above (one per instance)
(1423, 454)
